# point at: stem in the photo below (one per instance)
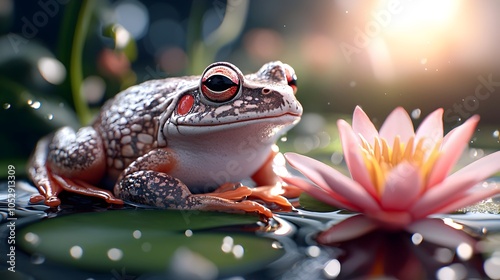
(76, 73)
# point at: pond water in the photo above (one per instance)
(86, 239)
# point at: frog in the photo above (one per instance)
(181, 143)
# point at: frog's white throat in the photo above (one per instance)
(221, 154)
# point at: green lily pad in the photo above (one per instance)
(312, 204)
(149, 241)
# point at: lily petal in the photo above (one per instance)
(325, 176)
(391, 219)
(352, 154)
(453, 145)
(361, 124)
(348, 229)
(431, 127)
(478, 193)
(445, 192)
(403, 184)
(398, 123)
(436, 231)
(320, 194)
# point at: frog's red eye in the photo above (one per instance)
(291, 78)
(220, 83)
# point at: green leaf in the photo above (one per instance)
(147, 240)
(312, 204)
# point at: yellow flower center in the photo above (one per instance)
(381, 158)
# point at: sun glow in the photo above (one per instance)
(417, 15)
(402, 32)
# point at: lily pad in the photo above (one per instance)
(150, 241)
(312, 204)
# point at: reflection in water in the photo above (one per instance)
(400, 255)
(383, 254)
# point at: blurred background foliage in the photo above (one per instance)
(61, 59)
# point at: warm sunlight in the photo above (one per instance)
(417, 15)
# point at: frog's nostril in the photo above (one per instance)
(266, 91)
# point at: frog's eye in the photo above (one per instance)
(291, 77)
(220, 83)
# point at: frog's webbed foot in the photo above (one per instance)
(49, 190)
(51, 172)
(162, 190)
(272, 196)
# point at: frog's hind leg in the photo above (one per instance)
(162, 190)
(72, 162)
(41, 177)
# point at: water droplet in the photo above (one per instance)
(227, 244)
(476, 153)
(283, 139)
(313, 251)
(464, 251)
(32, 238)
(146, 247)
(76, 252)
(496, 133)
(34, 104)
(454, 271)
(93, 88)
(332, 269)
(492, 267)
(238, 251)
(52, 70)
(50, 117)
(443, 255)
(336, 158)
(137, 234)
(417, 238)
(37, 258)
(276, 245)
(6, 106)
(115, 254)
(415, 114)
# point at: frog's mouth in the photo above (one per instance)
(285, 118)
(263, 124)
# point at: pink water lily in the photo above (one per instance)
(399, 176)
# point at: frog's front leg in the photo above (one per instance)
(69, 161)
(271, 189)
(146, 181)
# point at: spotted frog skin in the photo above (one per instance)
(178, 143)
